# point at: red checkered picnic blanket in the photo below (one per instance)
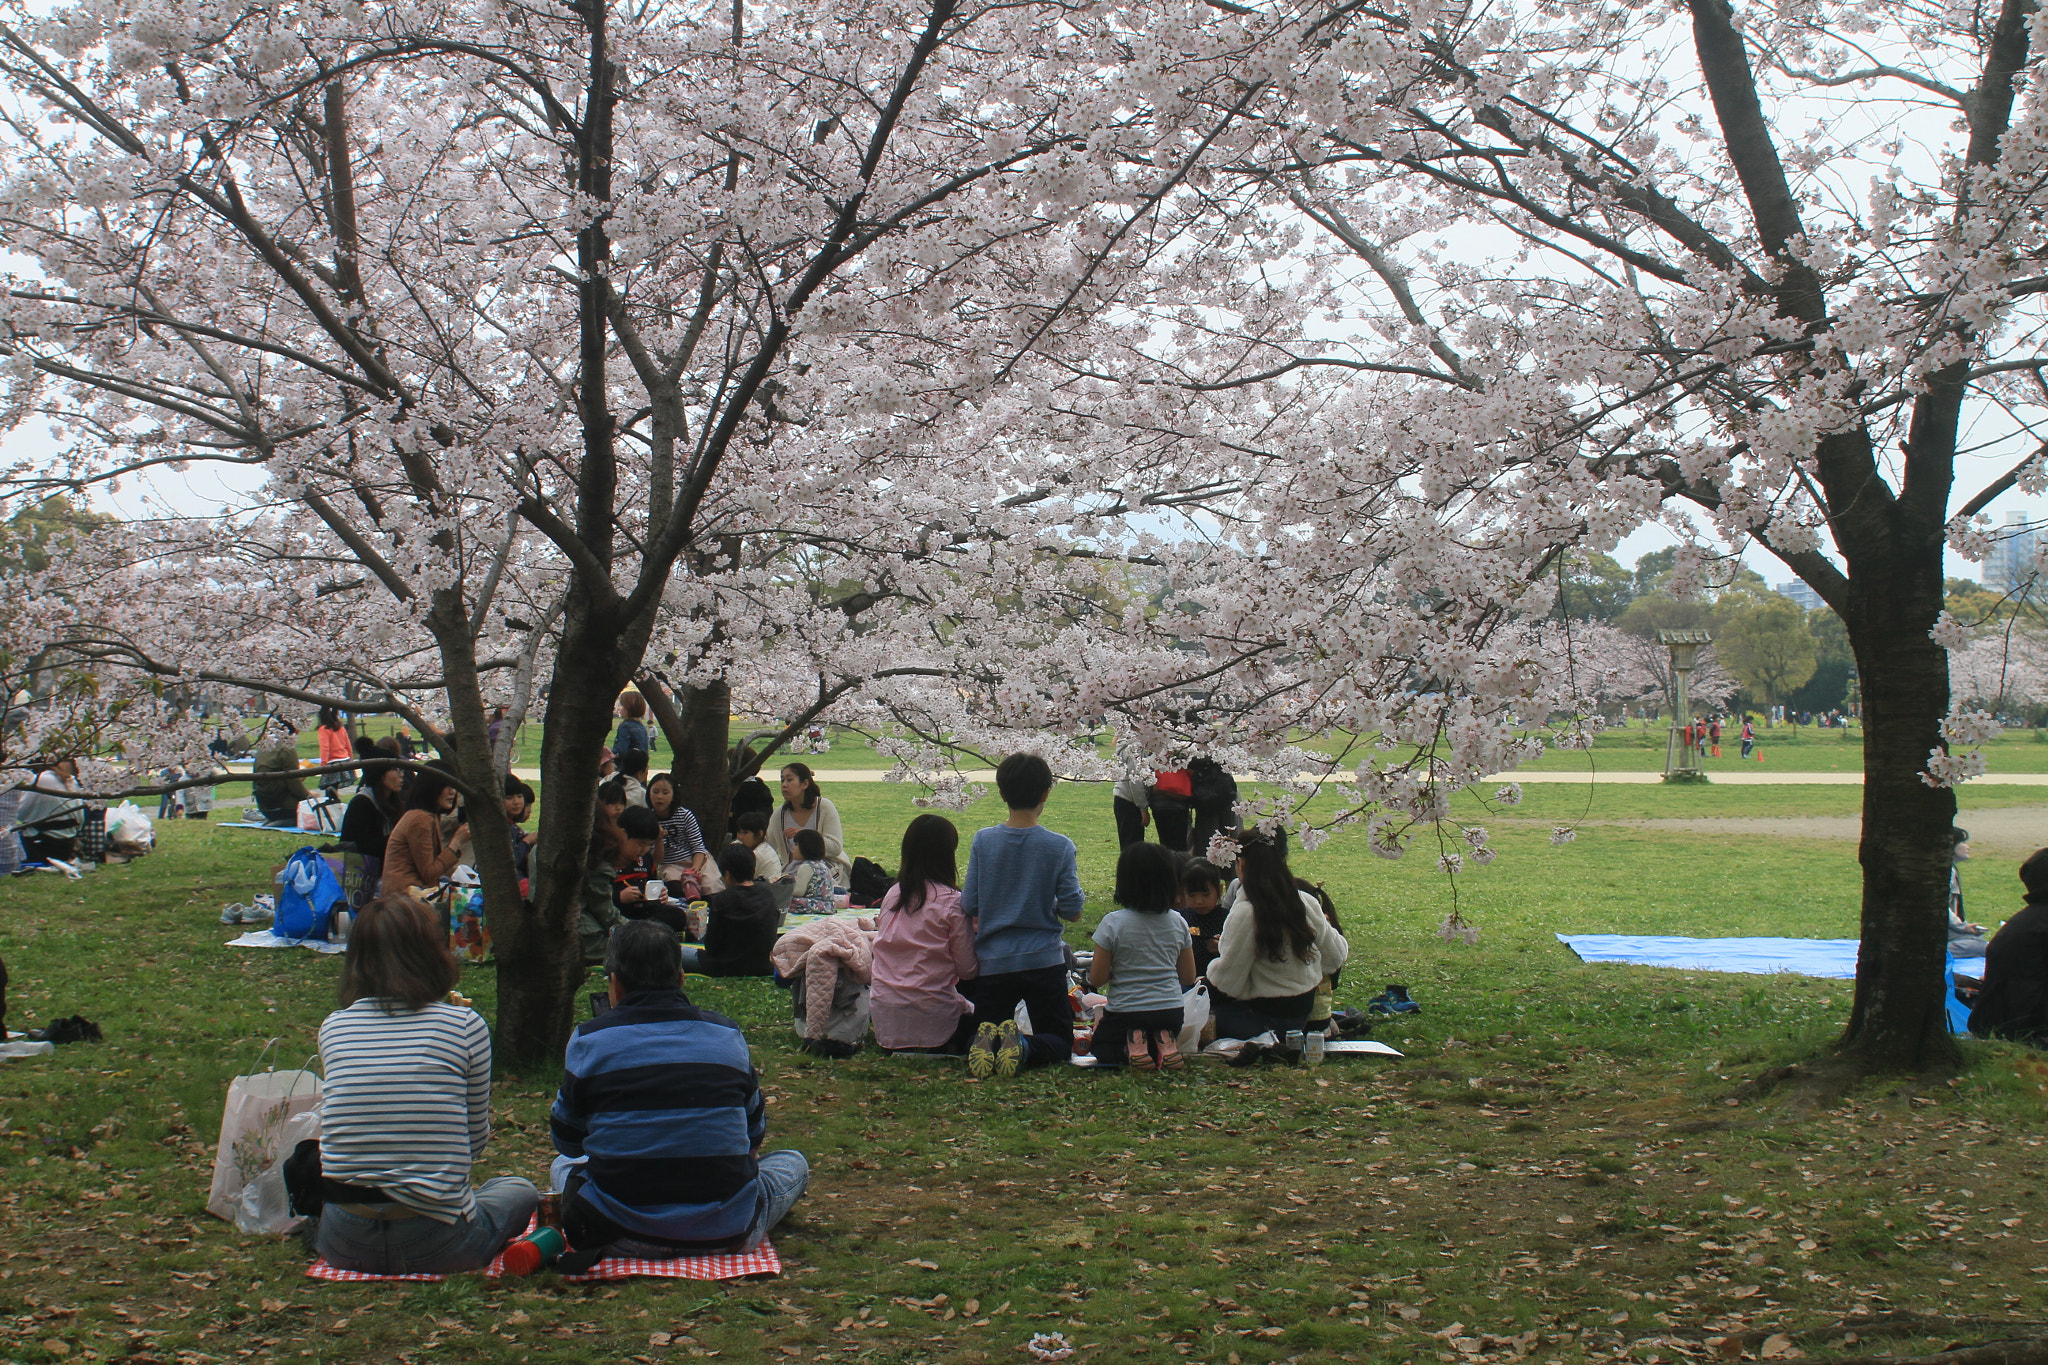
(729, 1265)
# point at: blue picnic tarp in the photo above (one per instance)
(1834, 958)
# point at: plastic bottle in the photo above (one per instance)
(538, 1248)
(338, 926)
(1312, 1048)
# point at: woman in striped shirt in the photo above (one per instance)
(406, 1109)
(682, 842)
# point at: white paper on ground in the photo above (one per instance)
(1358, 1045)
(26, 1049)
(264, 938)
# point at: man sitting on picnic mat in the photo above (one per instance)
(660, 1121)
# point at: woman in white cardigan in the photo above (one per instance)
(805, 807)
(1275, 949)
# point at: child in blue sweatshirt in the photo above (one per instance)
(1022, 881)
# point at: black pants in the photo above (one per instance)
(1043, 992)
(1130, 822)
(661, 912)
(1113, 1034)
(40, 848)
(1173, 828)
(1249, 1018)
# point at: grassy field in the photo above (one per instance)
(1563, 1166)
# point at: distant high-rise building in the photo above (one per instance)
(2010, 565)
(1806, 597)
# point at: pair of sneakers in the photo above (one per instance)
(997, 1050)
(1142, 1045)
(246, 914)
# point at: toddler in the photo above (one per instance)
(811, 875)
(1201, 905)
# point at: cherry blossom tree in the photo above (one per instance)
(1746, 271)
(461, 281)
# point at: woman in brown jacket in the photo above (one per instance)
(416, 858)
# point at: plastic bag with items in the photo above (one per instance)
(129, 830)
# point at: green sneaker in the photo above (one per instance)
(1010, 1048)
(981, 1053)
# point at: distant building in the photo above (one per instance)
(2010, 565)
(1806, 597)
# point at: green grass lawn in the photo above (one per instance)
(1562, 1165)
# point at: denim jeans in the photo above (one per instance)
(784, 1176)
(427, 1246)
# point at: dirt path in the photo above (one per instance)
(2014, 830)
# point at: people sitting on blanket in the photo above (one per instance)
(634, 888)
(375, 810)
(1326, 990)
(751, 829)
(418, 853)
(406, 1109)
(610, 850)
(805, 807)
(660, 1121)
(278, 788)
(1022, 883)
(1276, 946)
(2013, 1002)
(633, 777)
(1201, 905)
(752, 793)
(1964, 938)
(810, 875)
(682, 842)
(611, 797)
(739, 931)
(52, 814)
(1144, 961)
(925, 947)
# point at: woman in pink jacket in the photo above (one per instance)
(926, 945)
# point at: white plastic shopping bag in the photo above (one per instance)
(252, 1129)
(265, 1208)
(1194, 1013)
(128, 829)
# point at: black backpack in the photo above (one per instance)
(869, 882)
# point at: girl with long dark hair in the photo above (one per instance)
(1276, 946)
(926, 945)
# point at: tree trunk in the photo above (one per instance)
(705, 767)
(473, 763)
(540, 961)
(1899, 1021)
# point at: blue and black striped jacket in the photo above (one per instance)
(664, 1100)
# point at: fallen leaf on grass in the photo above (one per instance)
(1777, 1347)
(659, 1338)
(923, 1265)
(274, 1305)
